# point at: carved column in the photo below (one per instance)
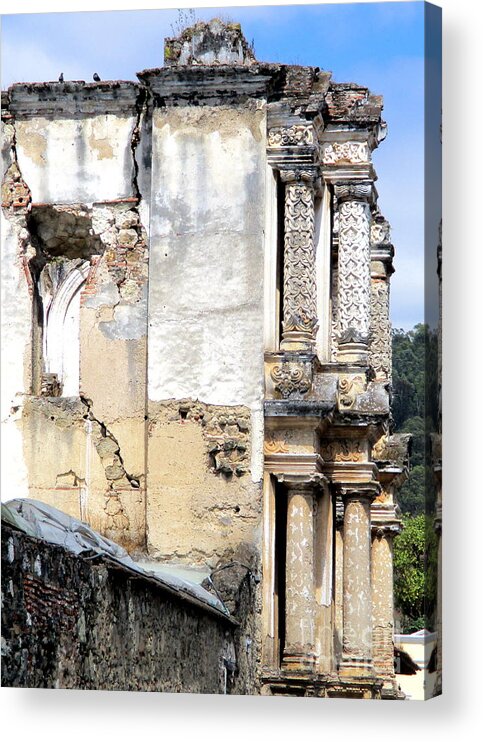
(354, 284)
(357, 603)
(299, 324)
(299, 580)
(380, 340)
(380, 352)
(383, 600)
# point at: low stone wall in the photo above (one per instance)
(73, 622)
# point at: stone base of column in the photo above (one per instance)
(298, 659)
(353, 353)
(297, 341)
(356, 667)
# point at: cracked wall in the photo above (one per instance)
(83, 453)
(108, 178)
(16, 314)
(77, 465)
(203, 504)
(205, 342)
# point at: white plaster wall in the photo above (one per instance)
(15, 336)
(206, 265)
(76, 160)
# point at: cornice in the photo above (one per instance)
(68, 99)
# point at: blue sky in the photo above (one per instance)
(380, 45)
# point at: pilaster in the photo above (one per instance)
(293, 152)
(383, 602)
(354, 277)
(299, 324)
(299, 649)
(380, 340)
(357, 603)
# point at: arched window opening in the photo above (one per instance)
(60, 288)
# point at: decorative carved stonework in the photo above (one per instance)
(292, 379)
(345, 152)
(274, 445)
(382, 497)
(380, 341)
(353, 191)
(293, 136)
(380, 232)
(379, 447)
(348, 388)
(385, 530)
(334, 333)
(299, 286)
(354, 271)
(335, 222)
(343, 450)
(297, 175)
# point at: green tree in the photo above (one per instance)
(415, 409)
(415, 572)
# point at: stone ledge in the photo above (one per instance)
(73, 98)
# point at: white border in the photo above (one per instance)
(83, 715)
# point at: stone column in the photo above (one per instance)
(299, 647)
(380, 348)
(380, 339)
(299, 324)
(383, 601)
(354, 284)
(357, 603)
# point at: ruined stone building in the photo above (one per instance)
(197, 346)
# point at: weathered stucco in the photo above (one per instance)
(72, 160)
(203, 504)
(206, 283)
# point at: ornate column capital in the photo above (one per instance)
(354, 191)
(301, 481)
(296, 174)
(386, 530)
(354, 491)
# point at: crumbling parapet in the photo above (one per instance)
(212, 43)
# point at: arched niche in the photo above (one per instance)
(61, 340)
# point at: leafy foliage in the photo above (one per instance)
(415, 411)
(415, 571)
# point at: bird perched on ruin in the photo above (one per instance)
(61, 77)
(96, 77)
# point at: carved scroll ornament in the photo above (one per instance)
(293, 136)
(291, 379)
(351, 152)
